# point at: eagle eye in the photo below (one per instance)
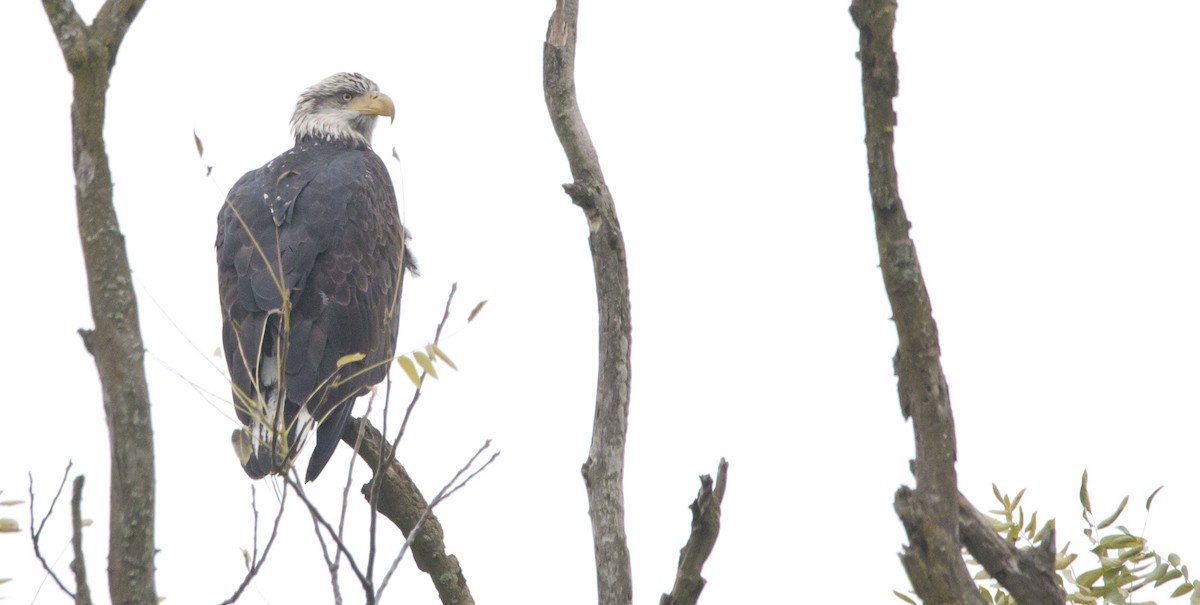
(346, 97)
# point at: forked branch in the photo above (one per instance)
(1027, 574)
(116, 341)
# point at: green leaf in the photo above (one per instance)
(411, 370)
(425, 363)
(1157, 575)
(1182, 590)
(9, 526)
(199, 145)
(996, 492)
(1083, 494)
(903, 597)
(1017, 501)
(351, 358)
(1065, 562)
(1173, 559)
(1119, 541)
(1031, 529)
(1087, 578)
(1152, 495)
(987, 596)
(475, 311)
(1046, 529)
(440, 354)
(1170, 575)
(1109, 520)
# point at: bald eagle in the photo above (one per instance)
(311, 260)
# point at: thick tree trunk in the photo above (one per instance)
(116, 341)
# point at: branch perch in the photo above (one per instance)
(603, 472)
(402, 503)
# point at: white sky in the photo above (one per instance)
(1047, 157)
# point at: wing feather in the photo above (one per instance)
(322, 220)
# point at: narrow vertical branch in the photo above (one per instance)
(116, 342)
(603, 471)
(83, 594)
(933, 557)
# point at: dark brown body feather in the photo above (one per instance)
(317, 227)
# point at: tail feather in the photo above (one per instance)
(329, 433)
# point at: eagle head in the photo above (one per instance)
(341, 107)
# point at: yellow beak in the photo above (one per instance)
(374, 104)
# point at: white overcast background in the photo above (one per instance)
(1047, 156)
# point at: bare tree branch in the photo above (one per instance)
(116, 342)
(706, 524)
(384, 461)
(933, 557)
(401, 502)
(36, 535)
(293, 480)
(452, 486)
(604, 469)
(83, 594)
(256, 562)
(1027, 574)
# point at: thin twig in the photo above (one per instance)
(441, 496)
(334, 563)
(401, 502)
(83, 595)
(316, 514)
(384, 462)
(254, 509)
(331, 563)
(437, 335)
(36, 535)
(257, 562)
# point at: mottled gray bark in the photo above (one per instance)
(706, 524)
(933, 558)
(604, 470)
(83, 593)
(116, 341)
(1027, 574)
